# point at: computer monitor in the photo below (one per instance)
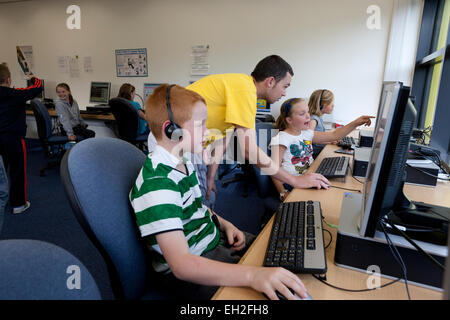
(100, 92)
(383, 188)
(42, 94)
(262, 106)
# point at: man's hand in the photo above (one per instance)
(73, 137)
(311, 180)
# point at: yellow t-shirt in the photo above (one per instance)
(230, 99)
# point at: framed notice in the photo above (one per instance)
(132, 63)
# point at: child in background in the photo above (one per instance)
(292, 147)
(13, 129)
(194, 250)
(127, 91)
(321, 102)
(69, 116)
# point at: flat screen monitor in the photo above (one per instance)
(262, 106)
(100, 92)
(42, 94)
(386, 167)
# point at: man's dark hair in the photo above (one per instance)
(271, 66)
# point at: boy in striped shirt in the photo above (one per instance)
(193, 249)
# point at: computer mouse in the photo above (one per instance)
(281, 297)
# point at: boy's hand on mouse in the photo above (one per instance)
(269, 280)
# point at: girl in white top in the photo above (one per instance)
(292, 147)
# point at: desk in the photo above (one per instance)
(331, 201)
(97, 122)
(52, 113)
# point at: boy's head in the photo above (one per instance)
(272, 76)
(5, 75)
(188, 112)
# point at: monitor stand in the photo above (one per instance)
(360, 253)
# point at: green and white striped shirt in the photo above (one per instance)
(166, 199)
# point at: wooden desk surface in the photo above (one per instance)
(52, 113)
(331, 201)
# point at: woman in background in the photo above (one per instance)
(127, 91)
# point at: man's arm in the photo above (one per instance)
(251, 151)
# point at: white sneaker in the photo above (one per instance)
(22, 208)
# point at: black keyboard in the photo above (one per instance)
(334, 167)
(347, 142)
(296, 241)
(94, 112)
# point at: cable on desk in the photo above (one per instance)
(330, 225)
(357, 180)
(345, 188)
(396, 254)
(324, 281)
(331, 238)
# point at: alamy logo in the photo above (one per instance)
(74, 280)
(374, 20)
(74, 20)
(374, 281)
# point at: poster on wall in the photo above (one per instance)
(132, 62)
(149, 88)
(25, 59)
(199, 62)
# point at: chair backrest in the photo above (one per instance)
(98, 175)
(264, 133)
(38, 270)
(43, 121)
(127, 118)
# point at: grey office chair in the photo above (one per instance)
(97, 175)
(38, 270)
(53, 145)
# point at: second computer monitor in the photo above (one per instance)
(100, 92)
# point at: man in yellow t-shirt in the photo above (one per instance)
(231, 101)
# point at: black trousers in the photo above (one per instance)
(80, 132)
(14, 153)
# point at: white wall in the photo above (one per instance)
(327, 42)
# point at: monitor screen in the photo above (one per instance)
(42, 94)
(262, 106)
(149, 88)
(100, 92)
(386, 167)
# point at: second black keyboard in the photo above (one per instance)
(347, 142)
(334, 167)
(296, 241)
